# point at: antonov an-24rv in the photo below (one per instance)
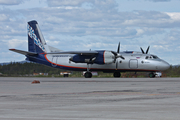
(96, 60)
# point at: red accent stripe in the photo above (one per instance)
(41, 53)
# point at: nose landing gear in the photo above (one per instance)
(152, 75)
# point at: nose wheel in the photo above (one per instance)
(152, 75)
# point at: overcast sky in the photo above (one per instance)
(93, 24)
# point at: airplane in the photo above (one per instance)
(106, 61)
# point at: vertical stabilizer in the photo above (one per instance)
(36, 42)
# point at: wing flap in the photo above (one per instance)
(23, 52)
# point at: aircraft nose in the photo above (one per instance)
(165, 65)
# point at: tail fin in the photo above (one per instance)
(36, 42)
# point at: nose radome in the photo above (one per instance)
(165, 65)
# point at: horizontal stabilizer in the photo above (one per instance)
(23, 52)
(76, 52)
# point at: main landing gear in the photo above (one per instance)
(88, 74)
(117, 74)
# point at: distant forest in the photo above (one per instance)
(27, 69)
(18, 69)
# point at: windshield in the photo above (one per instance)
(151, 57)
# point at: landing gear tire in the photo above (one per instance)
(151, 75)
(88, 75)
(117, 74)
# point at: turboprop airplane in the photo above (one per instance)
(96, 60)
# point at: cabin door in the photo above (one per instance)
(54, 61)
(133, 64)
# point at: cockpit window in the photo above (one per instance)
(155, 57)
(151, 57)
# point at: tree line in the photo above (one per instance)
(18, 69)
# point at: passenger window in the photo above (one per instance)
(146, 57)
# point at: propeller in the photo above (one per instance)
(117, 54)
(146, 50)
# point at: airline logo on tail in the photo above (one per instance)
(35, 38)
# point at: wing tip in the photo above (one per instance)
(12, 49)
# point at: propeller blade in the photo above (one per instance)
(115, 54)
(147, 50)
(122, 57)
(142, 50)
(118, 50)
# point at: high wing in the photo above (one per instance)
(23, 52)
(76, 52)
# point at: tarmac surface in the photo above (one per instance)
(89, 99)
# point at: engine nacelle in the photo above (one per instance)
(103, 57)
(81, 58)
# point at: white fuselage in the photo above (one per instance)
(132, 62)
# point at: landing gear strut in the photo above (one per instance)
(88, 74)
(117, 74)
